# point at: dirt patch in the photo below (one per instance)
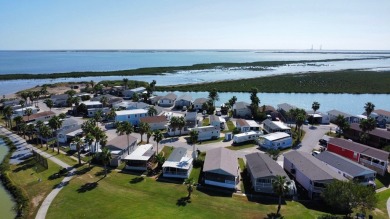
(37, 200)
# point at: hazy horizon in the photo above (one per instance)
(194, 25)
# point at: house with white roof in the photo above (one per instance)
(246, 136)
(140, 157)
(217, 121)
(132, 116)
(184, 100)
(168, 100)
(178, 164)
(129, 93)
(276, 140)
(247, 125)
(198, 103)
(221, 168)
(275, 126)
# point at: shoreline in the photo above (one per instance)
(252, 66)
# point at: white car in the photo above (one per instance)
(315, 153)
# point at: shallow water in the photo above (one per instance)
(6, 201)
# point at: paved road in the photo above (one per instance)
(46, 203)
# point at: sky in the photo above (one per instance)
(200, 24)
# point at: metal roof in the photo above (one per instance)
(142, 152)
(178, 159)
(261, 165)
(341, 163)
(130, 112)
(376, 132)
(186, 97)
(221, 161)
(276, 136)
(120, 142)
(286, 107)
(275, 124)
(311, 167)
(200, 100)
(360, 148)
(336, 113)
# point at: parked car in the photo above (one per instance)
(315, 153)
(323, 142)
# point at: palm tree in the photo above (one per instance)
(49, 103)
(24, 96)
(181, 122)
(367, 125)
(157, 137)
(152, 111)
(18, 120)
(79, 143)
(23, 129)
(342, 124)
(125, 82)
(111, 115)
(280, 188)
(190, 185)
(148, 135)
(213, 95)
(369, 107)
(98, 116)
(232, 101)
(143, 128)
(55, 123)
(125, 128)
(315, 106)
(104, 101)
(36, 95)
(45, 133)
(273, 153)
(300, 119)
(22, 104)
(30, 130)
(99, 134)
(38, 126)
(43, 90)
(193, 139)
(28, 113)
(174, 123)
(135, 97)
(105, 157)
(7, 111)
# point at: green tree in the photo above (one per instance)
(181, 122)
(55, 123)
(232, 101)
(98, 116)
(342, 124)
(213, 96)
(369, 108)
(125, 128)
(105, 157)
(79, 143)
(315, 106)
(135, 97)
(148, 135)
(157, 137)
(194, 135)
(255, 101)
(38, 126)
(71, 92)
(125, 83)
(190, 186)
(273, 153)
(7, 112)
(104, 101)
(18, 121)
(366, 125)
(299, 121)
(280, 189)
(111, 115)
(49, 103)
(173, 123)
(152, 111)
(143, 128)
(45, 133)
(345, 196)
(30, 130)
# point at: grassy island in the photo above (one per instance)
(345, 81)
(255, 66)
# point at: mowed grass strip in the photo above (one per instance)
(34, 180)
(346, 81)
(130, 196)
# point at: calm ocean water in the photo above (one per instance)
(35, 62)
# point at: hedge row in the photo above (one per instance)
(19, 197)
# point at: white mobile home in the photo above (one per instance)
(168, 100)
(275, 126)
(217, 122)
(208, 132)
(247, 136)
(178, 164)
(22, 111)
(140, 157)
(276, 140)
(247, 125)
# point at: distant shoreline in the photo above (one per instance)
(253, 66)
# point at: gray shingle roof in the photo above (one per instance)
(261, 165)
(311, 167)
(341, 163)
(120, 142)
(200, 100)
(177, 154)
(360, 148)
(222, 161)
(241, 105)
(170, 96)
(376, 132)
(186, 97)
(336, 113)
(286, 107)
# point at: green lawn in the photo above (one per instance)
(131, 196)
(166, 151)
(196, 170)
(212, 141)
(240, 147)
(65, 158)
(382, 181)
(241, 163)
(381, 211)
(34, 182)
(230, 126)
(206, 121)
